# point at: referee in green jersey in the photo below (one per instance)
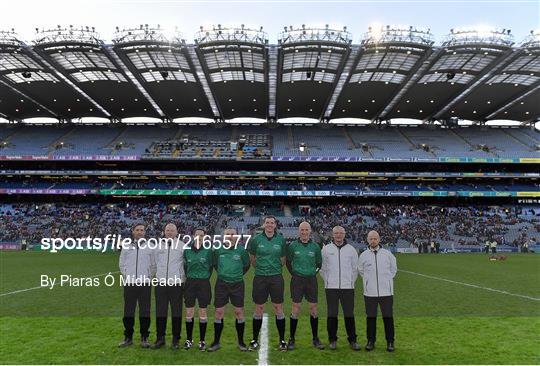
(267, 255)
(231, 262)
(304, 261)
(198, 268)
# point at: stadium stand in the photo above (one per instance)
(399, 225)
(31, 141)
(32, 222)
(270, 184)
(252, 146)
(262, 143)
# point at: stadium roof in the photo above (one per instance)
(230, 73)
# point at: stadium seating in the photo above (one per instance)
(85, 140)
(31, 141)
(399, 225)
(282, 141)
(252, 146)
(31, 222)
(270, 184)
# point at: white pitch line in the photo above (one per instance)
(263, 348)
(473, 285)
(23, 290)
(38, 287)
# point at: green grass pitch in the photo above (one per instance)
(437, 322)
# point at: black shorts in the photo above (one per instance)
(268, 285)
(304, 287)
(197, 289)
(225, 291)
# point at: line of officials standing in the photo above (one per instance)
(337, 262)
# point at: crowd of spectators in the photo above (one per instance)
(412, 224)
(31, 222)
(420, 224)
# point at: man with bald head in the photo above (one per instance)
(304, 261)
(377, 266)
(339, 271)
(170, 273)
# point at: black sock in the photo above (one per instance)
(202, 329)
(240, 326)
(189, 329)
(280, 324)
(294, 323)
(314, 326)
(257, 324)
(218, 328)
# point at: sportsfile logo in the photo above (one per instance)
(117, 242)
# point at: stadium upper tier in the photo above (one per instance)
(323, 74)
(367, 143)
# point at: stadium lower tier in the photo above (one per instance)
(280, 143)
(400, 225)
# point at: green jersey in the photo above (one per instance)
(198, 263)
(268, 253)
(230, 263)
(305, 258)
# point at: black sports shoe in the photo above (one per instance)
(242, 347)
(390, 347)
(317, 343)
(125, 343)
(202, 346)
(290, 345)
(253, 345)
(145, 343)
(160, 342)
(333, 345)
(213, 347)
(188, 344)
(370, 345)
(175, 343)
(282, 346)
(355, 346)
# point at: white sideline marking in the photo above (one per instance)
(472, 285)
(263, 348)
(38, 287)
